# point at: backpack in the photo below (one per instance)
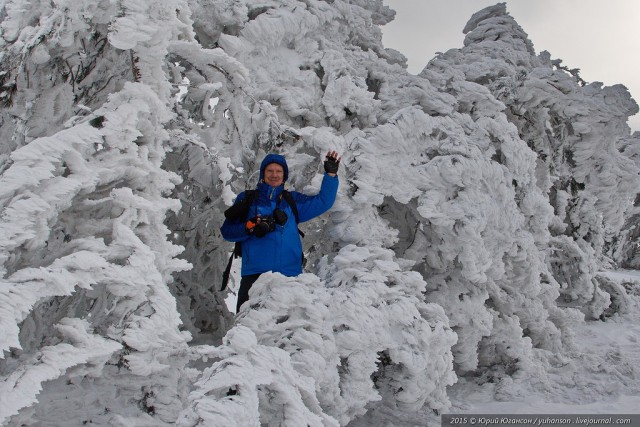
(250, 196)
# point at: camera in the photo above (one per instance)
(280, 217)
(266, 224)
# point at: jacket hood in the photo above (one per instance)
(274, 158)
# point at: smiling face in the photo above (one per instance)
(274, 174)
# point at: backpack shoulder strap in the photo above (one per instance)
(294, 208)
(286, 195)
(250, 195)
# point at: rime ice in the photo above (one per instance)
(481, 203)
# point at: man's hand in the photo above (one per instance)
(331, 163)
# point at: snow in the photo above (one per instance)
(610, 389)
(21, 387)
(632, 276)
(577, 386)
(478, 259)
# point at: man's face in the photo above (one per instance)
(274, 174)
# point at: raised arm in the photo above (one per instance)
(310, 207)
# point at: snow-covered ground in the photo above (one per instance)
(580, 385)
(578, 388)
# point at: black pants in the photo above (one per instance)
(243, 293)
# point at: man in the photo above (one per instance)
(266, 226)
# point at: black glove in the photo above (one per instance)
(331, 164)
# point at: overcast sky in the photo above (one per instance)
(600, 37)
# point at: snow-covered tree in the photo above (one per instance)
(478, 201)
(85, 306)
(341, 344)
(626, 250)
(576, 131)
(301, 105)
(150, 127)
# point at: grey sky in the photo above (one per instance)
(602, 38)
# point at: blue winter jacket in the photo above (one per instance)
(280, 250)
